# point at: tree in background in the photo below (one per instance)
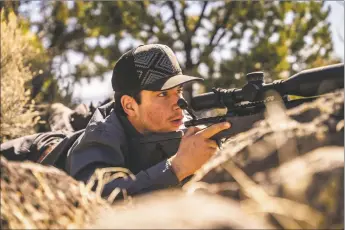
(289, 37)
(219, 40)
(18, 115)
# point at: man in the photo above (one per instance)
(147, 82)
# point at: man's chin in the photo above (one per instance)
(164, 130)
(171, 129)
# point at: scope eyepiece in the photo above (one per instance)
(182, 103)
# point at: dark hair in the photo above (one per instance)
(118, 95)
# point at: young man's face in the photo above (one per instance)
(158, 111)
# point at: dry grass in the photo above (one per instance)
(39, 197)
(34, 196)
(18, 117)
(289, 209)
(286, 168)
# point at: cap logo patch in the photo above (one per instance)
(151, 76)
(164, 63)
(153, 63)
(144, 59)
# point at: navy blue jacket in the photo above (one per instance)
(107, 142)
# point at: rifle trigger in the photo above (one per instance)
(219, 143)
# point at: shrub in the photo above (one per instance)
(18, 117)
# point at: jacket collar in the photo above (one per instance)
(127, 126)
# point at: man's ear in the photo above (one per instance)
(128, 103)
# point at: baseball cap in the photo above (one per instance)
(148, 67)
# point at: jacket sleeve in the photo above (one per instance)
(86, 162)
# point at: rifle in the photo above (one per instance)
(246, 105)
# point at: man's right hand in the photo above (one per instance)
(195, 149)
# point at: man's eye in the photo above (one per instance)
(162, 94)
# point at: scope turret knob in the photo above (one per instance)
(251, 90)
(255, 76)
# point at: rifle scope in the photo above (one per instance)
(307, 83)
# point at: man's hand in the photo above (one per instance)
(195, 149)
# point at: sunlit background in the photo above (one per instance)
(85, 91)
(90, 81)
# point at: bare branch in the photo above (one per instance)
(172, 7)
(168, 20)
(200, 17)
(217, 27)
(220, 37)
(225, 21)
(184, 19)
(215, 31)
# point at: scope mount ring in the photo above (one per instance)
(219, 92)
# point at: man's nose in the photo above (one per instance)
(175, 99)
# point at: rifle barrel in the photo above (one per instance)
(315, 81)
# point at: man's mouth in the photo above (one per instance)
(177, 121)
